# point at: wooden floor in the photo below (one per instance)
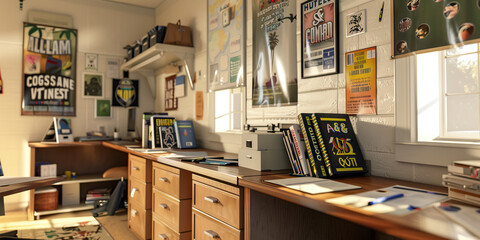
(117, 225)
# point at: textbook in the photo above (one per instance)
(338, 144)
(299, 143)
(163, 132)
(146, 130)
(185, 134)
(289, 151)
(316, 164)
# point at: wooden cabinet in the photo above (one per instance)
(172, 202)
(140, 196)
(217, 209)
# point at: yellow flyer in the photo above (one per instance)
(361, 81)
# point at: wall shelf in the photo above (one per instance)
(157, 57)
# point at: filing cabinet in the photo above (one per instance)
(140, 196)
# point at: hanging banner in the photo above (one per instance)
(421, 26)
(319, 38)
(361, 81)
(125, 93)
(274, 53)
(226, 43)
(49, 70)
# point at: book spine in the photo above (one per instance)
(316, 166)
(287, 149)
(179, 143)
(322, 146)
(294, 153)
(294, 130)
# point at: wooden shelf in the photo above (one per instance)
(64, 209)
(86, 179)
(157, 57)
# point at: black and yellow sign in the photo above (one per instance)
(125, 93)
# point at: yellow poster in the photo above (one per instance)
(361, 81)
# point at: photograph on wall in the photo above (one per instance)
(91, 62)
(125, 93)
(356, 23)
(102, 108)
(361, 81)
(274, 82)
(226, 43)
(49, 70)
(93, 85)
(422, 26)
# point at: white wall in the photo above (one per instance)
(103, 28)
(376, 133)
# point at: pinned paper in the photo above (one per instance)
(199, 105)
(180, 86)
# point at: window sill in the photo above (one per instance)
(443, 143)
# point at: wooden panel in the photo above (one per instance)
(220, 204)
(139, 168)
(177, 183)
(140, 193)
(140, 221)
(163, 232)
(208, 228)
(216, 184)
(176, 214)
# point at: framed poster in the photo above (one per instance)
(423, 26)
(274, 53)
(226, 43)
(361, 81)
(102, 108)
(49, 70)
(91, 62)
(125, 93)
(319, 38)
(170, 99)
(93, 85)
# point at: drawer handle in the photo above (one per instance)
(212, 199)
(248, 156)
(134, 212)
(132, 194)
(163, 179)
(211, 234)
(163, 236)
(136, 168)
(163, 205)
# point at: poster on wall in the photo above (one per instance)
(319, 38)
(361, 81)
(274, 80)
(422, 25)
(125, 93)
(356, 23)
(226, 43)
(49, 70)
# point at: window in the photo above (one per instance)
(448, 94)
(228, 110)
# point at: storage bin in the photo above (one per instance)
(156, 35)
(145, 43)
(46, 199)
(137, 49)
(129, 49)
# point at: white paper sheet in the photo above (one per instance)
(313, 185)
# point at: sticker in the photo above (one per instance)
(412, 5)
(422, 31)
(451, 10)
(404, 24)
(402, 47)
(465, 31)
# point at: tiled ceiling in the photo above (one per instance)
(141, 3)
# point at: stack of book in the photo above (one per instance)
(97, 194)
(329, 147)
(463, 181)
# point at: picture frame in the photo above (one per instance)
(356, 23)
(92, 85)
(91, 62)
(103, 108)
(319, 51)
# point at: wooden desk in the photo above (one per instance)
(24, 186)
(262, 204)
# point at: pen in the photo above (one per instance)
(384, 199)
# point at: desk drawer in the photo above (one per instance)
(140, 168)
(140, 193)
(173, 181)
(208, 228)
(176, 214)
(140, 221)
(221, 204)
(163, 232)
